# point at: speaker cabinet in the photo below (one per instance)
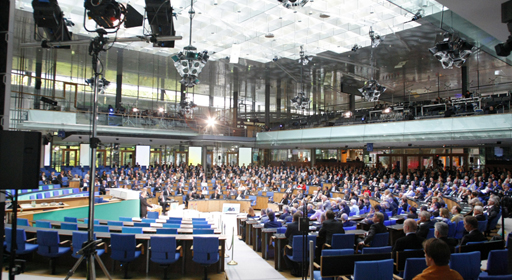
(20, 157)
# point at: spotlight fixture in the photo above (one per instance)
(189, 63)
(106, 13)
(375, 38)
(387, 110)
(211, 121)
(102, 83)
(49, 17)
(161, 110)
(372, 90)
(269, 35)
(159, 13)
(324, 15)
(301, 101)
(347, 114)
(135, 109)
(355, 48)
(293, 4)
(452, 51)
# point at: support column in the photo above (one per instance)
(278, 98)
(267, 101)
(236, 91)
(204, 150)
(39, 70)
(313, 157)
(465, 78)
(211, 88)
(119, 78)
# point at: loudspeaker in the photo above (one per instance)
(471, 159)
(20, 156)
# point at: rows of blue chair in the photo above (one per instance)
(123, 246)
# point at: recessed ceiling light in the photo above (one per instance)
(269, 35)
(324, 15)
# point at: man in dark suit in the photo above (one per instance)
(284, 200)
(424, 224)
(492, 208)
(329, 227)
(292, 229)
(411, 240)
(441, 232)
(377, 227)
(216, 194)
(166, 192)
(412, 213)
(272, 223)
(478, 213)
(474, 235)
(143, 205)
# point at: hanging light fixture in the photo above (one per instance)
(189, 62)
(293, 4)
(372, 90)
(301, 101)
(452, 51)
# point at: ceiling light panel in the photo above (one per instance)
(218, 27)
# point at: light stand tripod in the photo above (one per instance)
(88, 252)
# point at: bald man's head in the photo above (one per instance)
(410, 225)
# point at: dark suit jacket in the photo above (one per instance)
(272, 224)
(329, 227)
(473, 236)
(480, 217)
(452, 242)
(374, 229)
(412, 216)
(424, 228)
(410, 241)
(493, 212)
(291, 230)
(144, 207)
(215, 196)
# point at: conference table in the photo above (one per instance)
(216, 205)
(185, 239)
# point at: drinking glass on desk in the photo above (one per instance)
(33, 203)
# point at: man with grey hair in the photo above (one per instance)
(441, 232)
(424, 224)
(478, 212)
(345, 221)
(492, 208)
(354, 209)
(411, 240)
(326, 203)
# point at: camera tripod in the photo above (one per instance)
(88, 252)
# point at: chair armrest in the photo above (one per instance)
(141, 246)
(326, 246)
(104, 245)
(179, 248)
(396, 277)
(344, 278)
(31, 239)
(316, 265)
(64, 242)
(289, 247)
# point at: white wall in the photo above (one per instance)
(47, 154)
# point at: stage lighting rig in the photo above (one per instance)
(293, 4)
(187, 107)
(160, 18)
(375, 38)
(190, 63)
(304, 59)
(452, 51)
(49, 17)
(372, 90)
(301, 101)
(102, 83)
(355, 48)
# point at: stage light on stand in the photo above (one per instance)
(347, 114)
(102, 84)
(160, 17)
(375, 38)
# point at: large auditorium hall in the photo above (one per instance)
(271, 139)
